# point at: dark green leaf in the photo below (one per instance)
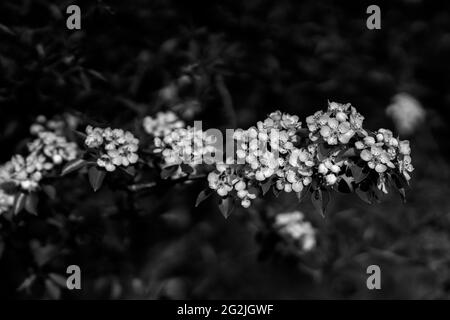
(364, 195)
(302, 194)
(322, 151)
(186, 168)
(345, 184)
(130, 171)
(402, 194)
(320, 199)
(142, 186)
(358, 173)
(168, 171)
(226, 207)
(58, 279)
(350, 152)
(96, 177)
(266, 186)
(276, 192)
(31, 203)
(19, 202)
(52, 289)
(202, 196)
(73, 166)
(50, 191)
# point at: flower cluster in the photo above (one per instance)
(162, 124)
(26, 172)
(294, 228)
(48, 150)
(272, 153)
(113, 147)
(406, 112)
(382, 150)
(337, 125)
(229, 179)
(54, 147)
(297, 172)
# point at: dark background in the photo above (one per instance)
(228, 63)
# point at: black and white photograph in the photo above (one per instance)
(240, 151)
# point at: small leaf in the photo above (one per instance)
(358, 173)
(31, 203)
(266, 186)
(320, 201)
(303, 132)
(345, 184)
(402, 193)
(226, 207)
(302, 194)
(168, 171)
(363, 195)
(27, 283)
(202, 196)
(73, 166)
(186, 168)
(142, 186)
(323, 152)
(19, 202)
(79, 136)
(58, 279)
(276, 192)
(130, 171)
(350, 152)
(6, 30)
(96, 178)
(52, 289)
(50, 191)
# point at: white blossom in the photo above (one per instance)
(293, 226)
(116, 147)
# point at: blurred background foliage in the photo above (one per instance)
(228, 63)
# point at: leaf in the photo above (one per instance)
(186, 168)
(58, 279)
(80, 137)
(320, 200)
(202, 196)
(168, 171)
(73, 166)
(402, 194)
(31, 203)
(345, 184)
(96, 74)
(19, 202)
(301, 195)
(50, 191)
(52, 289)
(358, 173)
(130, 171)
(142, 186)
(363, 195)
(350, 152)
(226, 207)
(6, 30)
(303, 132)
(27, 283)
(276, 192)
(323, 152)
(266, 186)
(96, 178)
